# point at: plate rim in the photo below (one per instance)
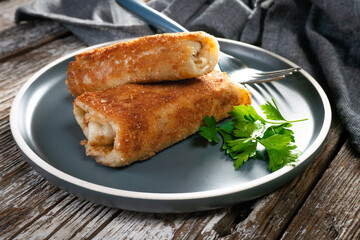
(48, 168)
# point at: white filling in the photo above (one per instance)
(200, 61)
(96, 131)
(100, 133)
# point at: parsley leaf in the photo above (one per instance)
(280, 129)
(276, 141)
(227, 127)
(246, 113)
(209, 131)
(281, 151)
(247, 128)
(281, 158)
(272, 111)
(226, 130)
(243, 156)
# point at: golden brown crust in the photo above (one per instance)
(150, 117)
(170, 56)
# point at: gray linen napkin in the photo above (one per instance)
(321, 36)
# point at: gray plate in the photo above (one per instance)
(192, 175)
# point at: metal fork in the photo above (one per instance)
(227, 63)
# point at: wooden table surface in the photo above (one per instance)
(321, 203)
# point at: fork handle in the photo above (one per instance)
(152, 16)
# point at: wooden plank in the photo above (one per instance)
(203, 225)
(7, 12)
(25, 196)
(25, 37)
(16, 39)
(87, 223)
(24, 200)
(132, 225)
(332, 210)
(48, 223)
(42, 210)
(223, 226)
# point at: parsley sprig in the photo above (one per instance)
(246, 129)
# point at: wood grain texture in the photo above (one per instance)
(332, 210)
(134, 225)
(7, 12)
(17, 39)
(26, 196)
(25, 37)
